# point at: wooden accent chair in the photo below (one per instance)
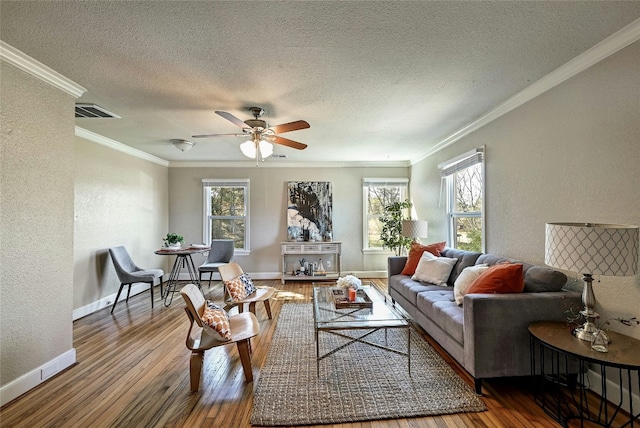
(129, 273)
(220, 253)
(243, 327)
(233, 270)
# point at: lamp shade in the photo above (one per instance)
(250, 148)
(596, 249)
(415, 228)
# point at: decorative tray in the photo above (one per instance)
(341, 299)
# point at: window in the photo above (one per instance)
(464, 178)
(377, 193)
(226, 211)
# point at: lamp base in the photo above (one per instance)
(586, 331)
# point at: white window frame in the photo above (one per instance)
(207, 184)
(401, 182)
(447, 171)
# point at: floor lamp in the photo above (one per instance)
(591, 249)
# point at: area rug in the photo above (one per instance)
(358, 383)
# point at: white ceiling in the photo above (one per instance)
(377, 81)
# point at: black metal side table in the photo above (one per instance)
(562, 393)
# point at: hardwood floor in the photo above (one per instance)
(133, 371)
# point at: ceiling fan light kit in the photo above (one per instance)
(183, 145)
(262, 135)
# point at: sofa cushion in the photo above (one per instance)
(500, 278)
(415, 253)
(538, 279)
(434, 270)
(465, 258)
(441, 308)
(465, 279)
(409, 288)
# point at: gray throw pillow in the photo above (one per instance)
(538, 279)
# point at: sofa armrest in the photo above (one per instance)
(496, 335)
(395, 264)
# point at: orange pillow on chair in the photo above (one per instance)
(415, 253)
(500, 278)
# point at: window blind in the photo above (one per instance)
(461, 162)
(385, 181)
(225, 182)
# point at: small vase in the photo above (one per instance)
(600, 341)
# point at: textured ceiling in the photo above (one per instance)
(377, 81)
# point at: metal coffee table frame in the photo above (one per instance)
(382, 315)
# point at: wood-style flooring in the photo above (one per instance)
(133, 371)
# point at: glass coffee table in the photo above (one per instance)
(374, 313)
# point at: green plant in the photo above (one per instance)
(173, 238)
(391, 219)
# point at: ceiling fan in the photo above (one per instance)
(260, 134)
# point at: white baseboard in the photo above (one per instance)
(108, 301)
(613, 391)
(143, 287)
(35, 377)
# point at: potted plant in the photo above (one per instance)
(173, 240)
(391, 235)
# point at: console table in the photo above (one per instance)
(557, 348)
(312, 252)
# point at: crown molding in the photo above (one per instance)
(37, 69)
(113, 144)
(281, 164)
(609, 46)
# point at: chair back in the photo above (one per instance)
(122, 263)
(221, 251)
(195, 302)
(230, 271)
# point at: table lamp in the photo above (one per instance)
(591, 249)
(415, 229)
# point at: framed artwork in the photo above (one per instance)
(309, 210)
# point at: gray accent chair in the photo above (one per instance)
(129, 273)
(220, 253)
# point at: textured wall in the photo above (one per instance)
(119, 200)
(36, 219)
(573, 155)
(268, 193)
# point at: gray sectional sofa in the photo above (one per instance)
(488, 334)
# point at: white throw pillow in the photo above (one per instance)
(464, 280)
(432, 269)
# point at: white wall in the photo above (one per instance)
(36, 228)
(268, 199)
(572, 155)
(119, 200)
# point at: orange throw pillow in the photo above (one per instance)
(500, 278)
(416, 252)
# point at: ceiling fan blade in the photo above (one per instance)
(232, 118)
(291, 126)
(287, 142)
(217, 135)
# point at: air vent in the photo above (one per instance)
(278, 156)
(92, 111)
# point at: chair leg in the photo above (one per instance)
(128, 292)
(267, 307)
(210, 276)
(117, 297)
(245, 358)
(195, 369)
(161, 293)
(252, 307)
(151, 289)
